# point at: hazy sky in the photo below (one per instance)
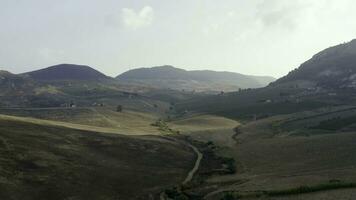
(262, 37)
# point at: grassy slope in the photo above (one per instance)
(104, 119)
(344, 194)
(249, 103)
(270, 160)
(203, 123)
(54, 162)
(207, 128)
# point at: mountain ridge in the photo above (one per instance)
(177, 78)
(334, 67)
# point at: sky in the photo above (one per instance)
(257, 37)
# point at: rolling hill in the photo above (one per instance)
(179, 79)
(41, 160)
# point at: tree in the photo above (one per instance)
(119, 108)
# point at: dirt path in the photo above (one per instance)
(192, 172)
(196, 165)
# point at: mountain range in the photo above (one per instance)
(164, 77)
(57, 85)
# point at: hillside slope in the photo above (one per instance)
(334, 67)
(329, 78)
(205, 80)
(11, 84)
(42, 161)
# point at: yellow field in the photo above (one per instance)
(97, 119)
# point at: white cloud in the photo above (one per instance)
(140, 19)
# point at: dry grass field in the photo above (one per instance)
(207, 128)
(104, 119)
(41, 160)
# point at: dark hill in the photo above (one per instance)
(205, 80)
(67, 72)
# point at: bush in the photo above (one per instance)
(230, 196)
(173, 193)
(231, 165)
(309, 189)
(335, 123)
(119, 108)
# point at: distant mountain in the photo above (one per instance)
(333, 68)
(66, 72)
(179, 79)
(63, 84)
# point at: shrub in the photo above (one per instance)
(229, 196)
(119, 108)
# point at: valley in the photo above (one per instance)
(71, 132)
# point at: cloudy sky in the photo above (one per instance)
(262, 37)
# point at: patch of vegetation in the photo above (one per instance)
(331, 185)
(230, 165)
(309, 189)
(261, 111)
(335, 123)
(210, 143)
(175, 194)
(230, 196)
(163, 126)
